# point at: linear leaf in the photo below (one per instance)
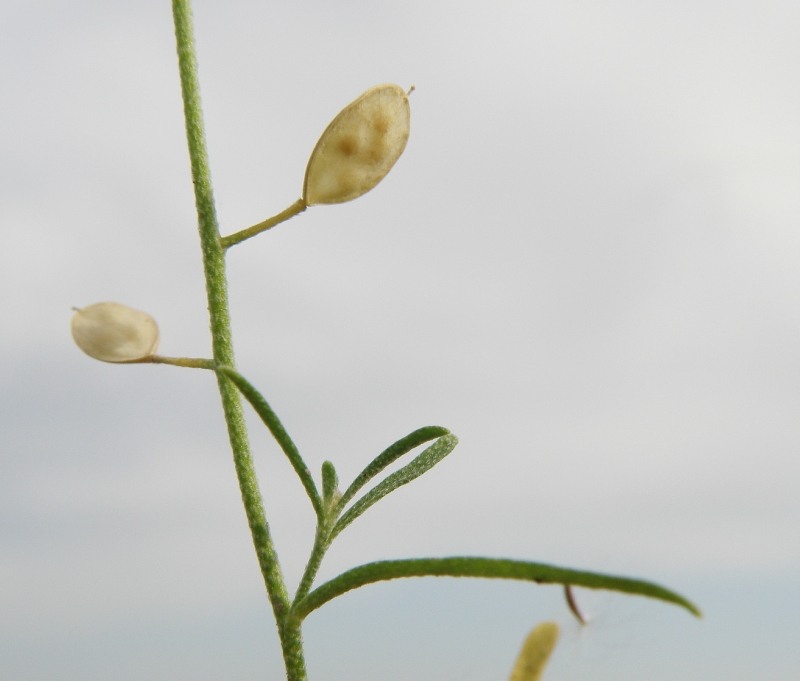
(491, 568)
(330, 485)
(272, 422)
(419, 465)
(389, 456)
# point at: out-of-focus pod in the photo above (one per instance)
(535, 653)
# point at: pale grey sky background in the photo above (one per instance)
(585, 264)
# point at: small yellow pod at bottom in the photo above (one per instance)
(359, 147)
(535, 652)
(112, 332)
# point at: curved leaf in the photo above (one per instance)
(272, 422)
(491, 568)
(389, 456)
(419, 465)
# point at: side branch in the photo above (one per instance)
(232, 239)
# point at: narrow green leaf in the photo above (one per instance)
(389, 456)
(330, 484)
(535, 653)
(490, 568)
(419, 465)
(272, 422)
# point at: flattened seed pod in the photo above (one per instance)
(359, 146)
(112, 332)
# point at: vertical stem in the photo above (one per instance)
(216, 288)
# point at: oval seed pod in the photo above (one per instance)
(359, 146)
(112, 332)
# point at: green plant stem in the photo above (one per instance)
(216, 288)
(232, 239)
(322, 541)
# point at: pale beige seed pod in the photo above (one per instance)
(359, 147)
(112, 332)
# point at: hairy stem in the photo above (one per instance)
(216, 288)
(321, 545)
